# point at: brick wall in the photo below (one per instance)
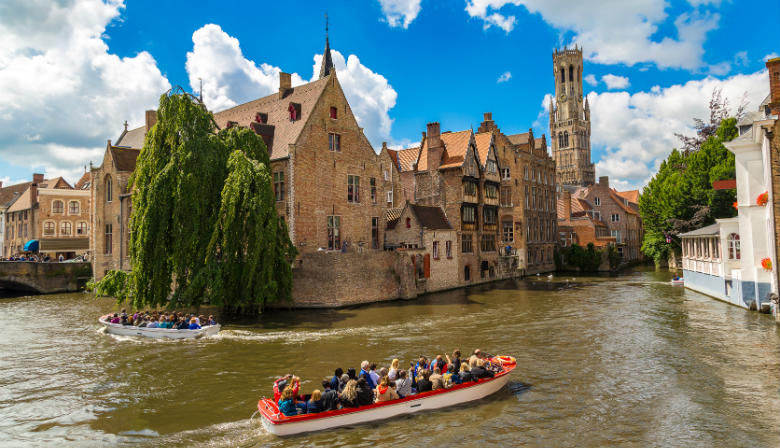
(116, 213)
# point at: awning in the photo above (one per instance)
(64, 244)
(31, 246)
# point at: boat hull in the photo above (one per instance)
(285, 426)
(159, 333)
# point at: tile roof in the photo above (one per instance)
(124, 158)
(432, 218)
(285, 131)
(540, 143)
(456, 145)
(133, 138)
(392, 215)
(631, 195)
(712, 229)
(83, 183)
(483, 146)
(519, 139)
(9, 194)
(406, 158)
(57, 182)
(617, 198)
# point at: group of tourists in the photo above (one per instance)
(353, 389)
(154, 319)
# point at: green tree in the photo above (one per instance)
(204, 213)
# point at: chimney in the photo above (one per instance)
(435, 148)
(566, 204)
(773, 67)
(151, 119)
(487, 116)
(37, 178)
(604, 181)
(285, 83)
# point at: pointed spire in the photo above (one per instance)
(327, 61)
(586, 103)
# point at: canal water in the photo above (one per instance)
(603, 361)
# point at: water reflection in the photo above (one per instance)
(627, 360)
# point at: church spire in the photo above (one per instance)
(327, 61)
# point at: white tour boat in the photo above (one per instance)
(277, 423)
(679, 281)
(170, 333)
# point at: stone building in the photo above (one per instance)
(570, 121)
(620, 215)
(431, 242)
(52, 212)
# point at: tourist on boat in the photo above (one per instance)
(123, 316)
(115, 319)
(315, 405)
(343, 382)
(330, 398)
(374, 376)
(351, 373)
(438, 363)
(422, 364)
(465, 373)
(212, 321)
(384, 392)
(479, 371)
(393, 372)
(423, 382)
(382, 372)
(287, 404)
(348, 396)
(287, 380)
(451, 378)
(436, 379)
(130, 321)
(334, 382)
(455, 360)
(365, 393)
(403, 384)
(364, 373)
(152, 323)
(194, 324)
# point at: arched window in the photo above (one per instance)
(48, 228)
(65, 228)
(565, 139)
(733, 243)
(57, 207)
(74, 208)
(563, 75)
(81, 228)
(109, 189)
(571, 73)
(560, 140)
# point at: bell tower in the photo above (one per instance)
(570, 121)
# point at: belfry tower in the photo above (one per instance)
(570, 121)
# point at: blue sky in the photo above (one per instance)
(72, 73)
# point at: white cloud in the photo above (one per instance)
(369, 94)
(637, 130)
(506, 76)
(741, 58)
(62, 93)
(769, 56)
(614, 81)
(720, 69)
(591, 79)
(613, 31)
(400, 12)
(229, 78)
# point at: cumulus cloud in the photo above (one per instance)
(229, 78)
(613, 31)
(506, 76)
(636, 131)
(62, 93)
(591, 79)
(400, 13)
(614, 81)
(369, 94)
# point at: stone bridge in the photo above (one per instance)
(44, 278)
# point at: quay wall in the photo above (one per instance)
(44, 278)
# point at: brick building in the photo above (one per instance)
(570, 121)
(773, 134)
(52, 212)
(579, 224)
(620, 215)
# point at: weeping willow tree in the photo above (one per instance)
(204, 224)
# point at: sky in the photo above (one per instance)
(73, 71)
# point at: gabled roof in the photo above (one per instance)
(432, 218)
(9, 194)
(456, 145)
(405, 159)
(83, 183)
(133, 138)
(483, 146)
(124, 158)
(57, 182)
(617, 198)
(519, 139)
(540, 143)
(276, 107)
(631, 195)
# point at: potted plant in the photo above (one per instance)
(762, 199)
(766, 263)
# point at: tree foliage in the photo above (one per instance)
(680, 197)
(586, 259)
(204, 222)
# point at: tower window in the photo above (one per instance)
(563, 75)
(571, 73)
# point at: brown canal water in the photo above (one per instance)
(603, 361)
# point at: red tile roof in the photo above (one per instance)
(519, 139)
(407, 158)
(632, 195)
(483, 146)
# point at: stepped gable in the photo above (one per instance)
(431, 218)
(483, 146)
(124, 158)
(276, 111)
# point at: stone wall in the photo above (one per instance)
(44, 278)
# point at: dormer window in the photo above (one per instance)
(295, 111)
(334, 113)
